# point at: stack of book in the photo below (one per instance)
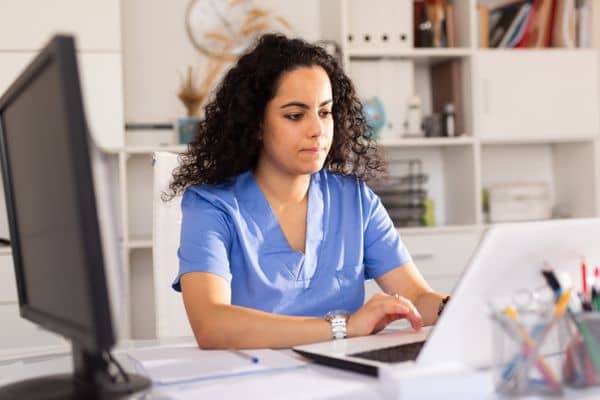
(535, 23)
(404, 196)
(434, 24)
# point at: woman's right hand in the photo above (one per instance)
(381, 310)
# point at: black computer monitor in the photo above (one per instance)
(54, 229)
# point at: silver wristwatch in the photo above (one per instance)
(338, 319)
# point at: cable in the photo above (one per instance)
(114, 362)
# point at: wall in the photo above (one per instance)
(156, 48)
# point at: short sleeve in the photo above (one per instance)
(384, 249)
(205, 238)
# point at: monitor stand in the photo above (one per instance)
(91, 380)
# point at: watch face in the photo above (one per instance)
(337, 313)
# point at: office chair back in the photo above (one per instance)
(171, 318)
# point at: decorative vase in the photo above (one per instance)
(187, 128)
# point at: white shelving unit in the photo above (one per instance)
(529, 115)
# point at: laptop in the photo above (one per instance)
(509, 258)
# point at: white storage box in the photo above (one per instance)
(519, 202)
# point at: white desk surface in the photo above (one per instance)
(310, 382)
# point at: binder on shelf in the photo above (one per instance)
(436, 14)
(595, 22)
(516, 28)
(529, 24)
(496, 4)
(563, 25)
(539, 34)
(422, 31)
(447, 84)
(379, 25)
(434, 23)
(583, 37)
(450, 25)
(484, 26)
(501, 20)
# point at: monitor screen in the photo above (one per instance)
(51, 203)
(55, 232)
(44, 193)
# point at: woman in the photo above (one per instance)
(279, 228)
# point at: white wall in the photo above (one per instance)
(156, 47)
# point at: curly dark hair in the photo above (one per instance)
(227, 141)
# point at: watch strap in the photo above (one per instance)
(338, 320)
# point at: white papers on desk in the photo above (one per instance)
(448, 380)
(188, 363)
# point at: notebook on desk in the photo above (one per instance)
(509, 258)
(187, 363)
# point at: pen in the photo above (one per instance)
(595, 290)
(559, 309)
(250, 357)
(588, 340)
(595, 299)
(584, 283)
(552, 281)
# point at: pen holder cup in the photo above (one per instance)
(581, 365)
(527, 350)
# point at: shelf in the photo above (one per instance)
(139, 243)
(420, 230)
(146, 243)
(488, 225)
(427, 142)
(420, 54)
(20, 354)
(535, 49)
(534, 140)
(175, 148)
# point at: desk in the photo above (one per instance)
(309, 382)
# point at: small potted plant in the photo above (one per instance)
(192, 95)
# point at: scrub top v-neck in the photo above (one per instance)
(230, 230)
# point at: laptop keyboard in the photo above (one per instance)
(395, 354)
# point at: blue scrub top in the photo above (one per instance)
(230, 230)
